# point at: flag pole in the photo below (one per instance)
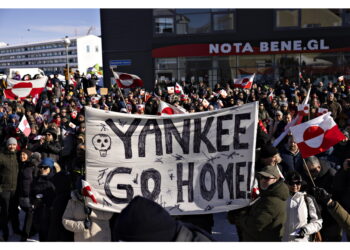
(120, 92)
(308, 172)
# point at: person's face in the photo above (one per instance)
(63, 112)
(265, 182)
(314, 170)
(23, 157)
(292, 145)
(33, 130)
(12, 147)
(44, 170)
(331, 97)
(294, 186)
(279, 117)
(48, 137)
(261, 107)
(288, 118)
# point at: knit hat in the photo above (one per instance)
(52, 131)
(268, 151)
(145, 220)
(11, 140)
(36, 158)
(27, 152)
(47, 162)
(270, 171)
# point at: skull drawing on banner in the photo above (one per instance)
(102, 143)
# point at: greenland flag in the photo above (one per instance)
(317, 135)
(22, 89)
(125, 80)
(178, 89)
(304, 109)
(87, 191)
(24, 126)
(168, 109)
(244, 82)
(322, 111)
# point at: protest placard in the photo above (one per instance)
(91, 91)
(189, 163)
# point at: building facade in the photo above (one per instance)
(51, 56)
(218, 45)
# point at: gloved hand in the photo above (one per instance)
(87, 223)
(302, 233)
(24, 202)
(321, 195)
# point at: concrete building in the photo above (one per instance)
(51, 56)
(218, 45)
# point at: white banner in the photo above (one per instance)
(189, 163)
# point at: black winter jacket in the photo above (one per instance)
(8, 171)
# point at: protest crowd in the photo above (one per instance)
(41, 172)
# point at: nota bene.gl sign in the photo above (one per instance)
(242, 48)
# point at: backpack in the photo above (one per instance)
(315, 237)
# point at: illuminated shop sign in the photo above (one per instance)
(247, 48)
(271, 46)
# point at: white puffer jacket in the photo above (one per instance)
(297, 215)
(73, 220)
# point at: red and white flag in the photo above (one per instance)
(303, 109)
(168, 109)
(125, 80)
(223, 93)
(22, 89)
(300, 75)
(205, 103)
(35, 99)
(95, 99)
(87, 191)
(178, 89)
(271, 96)
(24, 126)
(317, 135)
(295, 121)
(322, 111)
(74, 114)
(244, 82)
(341, 78)
(170, 90)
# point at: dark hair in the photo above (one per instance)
(293, 176)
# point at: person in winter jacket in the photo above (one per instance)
(48, 146)
(25, 179)
(8, 182)
(291, 157)
(323, 177)
(265, 219)
(144, 220)
(334, 208)
(87, 224)
(303, 215)
(42, 194)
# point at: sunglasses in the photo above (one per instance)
(261, 177)
(291, 183)
(43, 167)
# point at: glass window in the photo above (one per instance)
(312, 18)
(193, 23)
(287, 18)
(223, 21)
(166, 63)
(164, 25)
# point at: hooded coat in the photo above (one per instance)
(74, 216)
(8, 171)
(265, 219)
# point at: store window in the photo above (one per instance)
(314, 18)
(164, 25)
(193, 23)
(223, 21)
(287, 18)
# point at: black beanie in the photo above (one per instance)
(145, 220)
(268, 151)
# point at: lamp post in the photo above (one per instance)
(67, 42)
